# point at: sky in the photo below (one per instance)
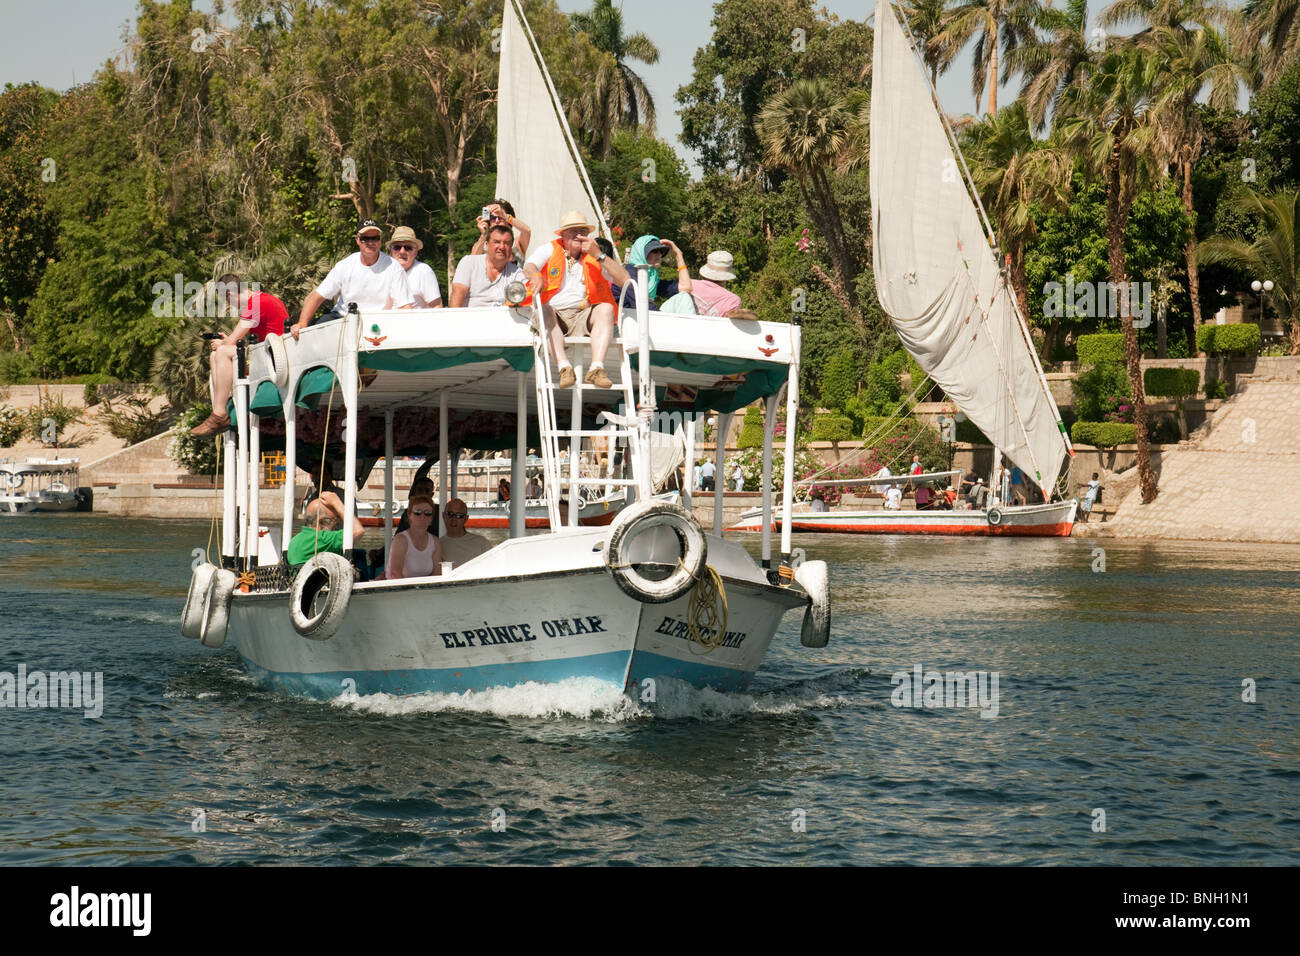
(63, 45)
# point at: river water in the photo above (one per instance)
(1121, 735)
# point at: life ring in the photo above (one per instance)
(195, 609)
(994, 516)
(639, 518)
(16, 481)
(812, 577)
(278, 356)
(327, 573)
(216, 615)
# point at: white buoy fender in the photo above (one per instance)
(812, 577)
(196, 602)
(994, 516)
(619, 551)
(279, 357)
(320, 595)
(216, 613)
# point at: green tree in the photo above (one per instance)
(990, 23)
(925, 20)
(619, 95)
(1274, 255)
(1277, 24)
(1049, 65)
(643, 198)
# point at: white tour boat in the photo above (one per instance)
(40, 484)
(650, 596)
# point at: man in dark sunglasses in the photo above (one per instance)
(457, 544)
(404, 247)
(369, 277)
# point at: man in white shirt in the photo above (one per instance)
(574, 286)
(421, 280)
(482, 280)
(459, 545)
(370, 278)
(894, 498)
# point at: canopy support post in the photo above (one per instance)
(444, 466)
(347, 376)
(290, 471)
(518, 524)
(769, 433)
(719, 479)
(388, 484)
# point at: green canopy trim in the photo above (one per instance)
(761, 379)
(434, 360)
(267, 402)
(313, 385)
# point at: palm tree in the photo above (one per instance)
(1277, 24)
(1013, 172)
(1048, 66)
(925, 20)
(618, 97)
(995, 21)
(1274, 255)
(1196, 60)
(807, 129)
(1108, 120)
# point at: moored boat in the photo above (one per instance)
(40, 484)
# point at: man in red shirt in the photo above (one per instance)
(260, 313)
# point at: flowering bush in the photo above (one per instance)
(1117, 408)
(11, 425)
(751, 467)
(196, 455)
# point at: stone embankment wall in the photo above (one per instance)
(1236, 479)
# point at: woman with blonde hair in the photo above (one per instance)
(415, 552)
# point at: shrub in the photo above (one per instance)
(94, 393)
(1177, 383)
(1240, 339)
(1101, 347)
(180, 364)
(751, 467)
(11, 426)
(17, 368)
(134, 423)
(832, 428)
(1097, 389)
(1216, 388)
(198, 456)
(52, 410)
(840, 380)
(751, 433)
(1103, 434)
(1205, 338)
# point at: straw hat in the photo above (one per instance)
(721, 267)
(574, 220)
(405, 234)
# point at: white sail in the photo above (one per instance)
(537, 170)
(936, 275)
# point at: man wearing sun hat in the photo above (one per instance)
(420, 277)
(369, 277)
(576, 296)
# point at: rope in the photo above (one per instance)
(247, 580)
(707, 608)
(329, 410)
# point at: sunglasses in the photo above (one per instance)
(402, 245)
(423, 514)
(459, 515)
(368, 238)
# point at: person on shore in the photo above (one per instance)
(501, 213)
(707, 472)
(421, 280)
(459, 545)
(917, 467)
(415, 552)
(738, 478)
(647, 253)
(260, 314)
(481, 280)
(1090, 497)
(369, 277)
(576, 295)
(323, 530)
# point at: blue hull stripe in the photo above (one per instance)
(646, 665)
(326, 685)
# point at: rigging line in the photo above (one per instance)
(556, 105)
(984, 218)
(884, 426)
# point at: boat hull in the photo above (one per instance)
(1051, 520)
(468, 633)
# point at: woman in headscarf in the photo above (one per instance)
(646, 253)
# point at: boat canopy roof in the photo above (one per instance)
(40, 466)
(699, 363)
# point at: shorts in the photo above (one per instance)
(576, 317)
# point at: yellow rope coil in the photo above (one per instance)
(707, 608)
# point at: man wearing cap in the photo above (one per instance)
(576, 296)
(710, 297)
(369, 277)
(481, 280)
(420, 277)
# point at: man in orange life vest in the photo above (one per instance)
(576, 294)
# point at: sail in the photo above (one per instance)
(936, 275)
(536, 170)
